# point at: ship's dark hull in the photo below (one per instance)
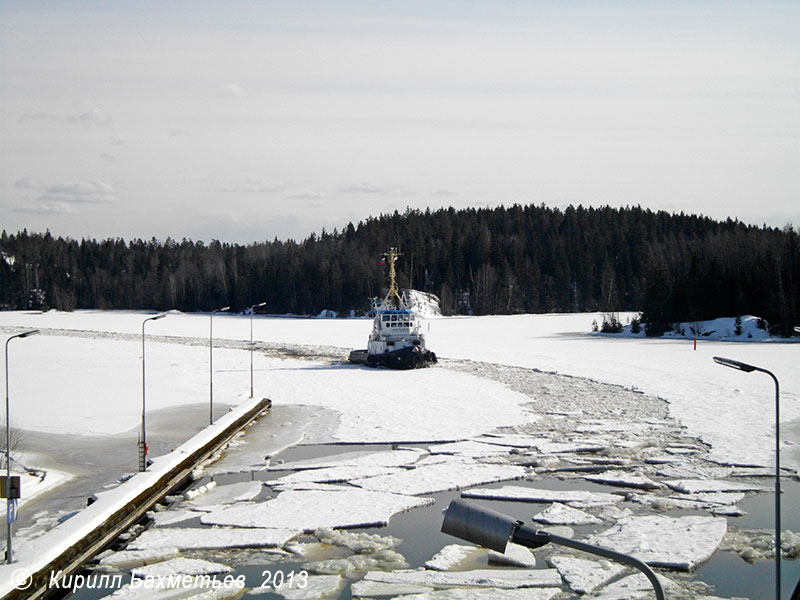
(410, 357)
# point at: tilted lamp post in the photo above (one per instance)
(143, 434)
(9, 500)
(494, 530)
(211, 362)
(740, 366)
(251, 344)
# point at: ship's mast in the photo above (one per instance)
(391, 257)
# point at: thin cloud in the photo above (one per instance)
(43, 208)
(27, 183)
(108, 157)
(38, 116)
(362, 188)
(79, 192)
(234, 89)
(176, 131)
(254, 186)
(92, 118)
(307, 196)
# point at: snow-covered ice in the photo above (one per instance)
(498, 578)
(191, 538)
(387, 458)
(531, 494)
(370, 589)
(168, 518)
(180, 566)
(696, 486)
(450, 475)
(485, 594)
(127, 559)
(359, 542)
(559, 514)
(661, 541)
(623, 479)
(584, 575)
(227, 494)
(311, 510)
(314, 587)
(451, 556)
(468, 448)
(330, 475)
(514, 556)
(353, 566)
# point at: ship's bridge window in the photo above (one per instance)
(385, 317)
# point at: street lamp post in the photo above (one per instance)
(740, 366)
(251, 344)
(143, 435)
(9, 500)
(211, 362)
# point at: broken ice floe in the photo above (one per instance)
(673, 542)
(753, 545)
(684, 470)
(199, 491)
(583, 575)
(329, 475)
(191, 538)
(634, 587)
(128, 559)
(559, 514)
(696, 486)
(227, 494)
(352, 566)
(384, 458)
(314, 509)
(180, 566)
(565, 447)
(358, 542)
(172, 517)
(452, 475)
(515, 556)
(314, 587)
(526, 494)
(485, 594)
(468, 448)
(622, 479)
(497, 578)
(515, 441)
(135, 592)
(370, 589)
(451, 556)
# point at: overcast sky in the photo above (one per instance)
(244, 121)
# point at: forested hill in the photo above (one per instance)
(499, 260)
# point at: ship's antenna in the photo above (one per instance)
(391, 257)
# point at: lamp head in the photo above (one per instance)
(224, 308)
(734, 364)
(28, 333)
(158, 316)
(478, 525)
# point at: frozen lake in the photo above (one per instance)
(620, 410)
